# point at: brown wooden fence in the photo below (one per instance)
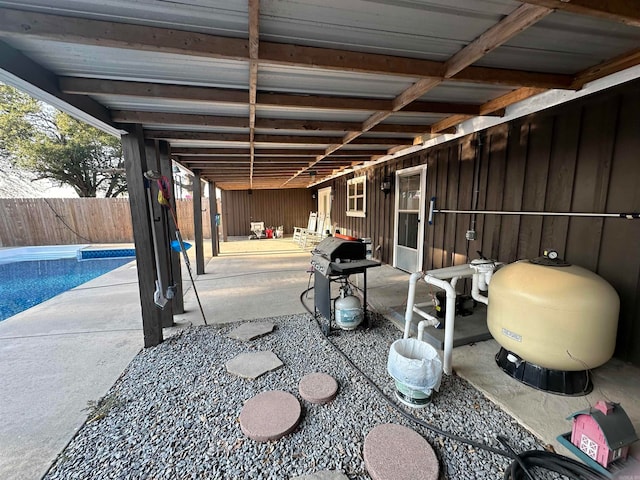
(62, 221)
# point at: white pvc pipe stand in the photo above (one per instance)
(480, 270)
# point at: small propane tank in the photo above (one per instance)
(348, 310)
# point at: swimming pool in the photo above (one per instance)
(24, 284)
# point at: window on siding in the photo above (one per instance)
(357, 197)
(588, 446)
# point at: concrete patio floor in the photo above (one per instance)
(68, 351)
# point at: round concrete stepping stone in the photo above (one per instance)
(394, 452)
(270, 415)
(318, 388)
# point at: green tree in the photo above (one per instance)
(56, 146)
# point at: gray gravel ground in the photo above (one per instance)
(174, 412)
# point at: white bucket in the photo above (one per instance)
(417, 370)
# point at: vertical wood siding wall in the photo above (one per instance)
(288, 207)
(38, 221)
(579, 157)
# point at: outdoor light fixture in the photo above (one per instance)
(250, 192)
(386, 185)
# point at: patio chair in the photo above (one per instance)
(311, 238)
(257, 231)
(311, 226)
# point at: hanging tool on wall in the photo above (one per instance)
(158, 295)
(164, 197)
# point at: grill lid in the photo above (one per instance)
(336, 249)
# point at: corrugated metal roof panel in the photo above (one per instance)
(401, 136)
(311, 114)
(330, 82)
(156, 104)
(564, 43)
(196, 128)
(413, 118)
(79, 60)
(463, 92)
(298, 145)
(433, 29)
(306, 133)
(219, 17)
(207, 143)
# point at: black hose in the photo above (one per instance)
(393, 404)
(522, 463)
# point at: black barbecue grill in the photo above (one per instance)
(334, 259)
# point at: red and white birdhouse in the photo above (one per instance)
(603, 432)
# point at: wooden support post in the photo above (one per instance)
(175, 267)
(197, 222)
(213, 211)
(135, 165)
(159, 224)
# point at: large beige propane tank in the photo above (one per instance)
(557, 317)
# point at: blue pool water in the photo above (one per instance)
(25, 284)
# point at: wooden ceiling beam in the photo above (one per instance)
(188, 119)
(283, 152)
(328, 102)
(124, 88)
(276, 139)
(520, 19)
(93, 86)
(318, 125)
(499, 103)
(617, 64)
(210, 151)
(623, 11)
(350, 61)
(254, 42)
(257, 160)
(185, 119)
(166, 40)
(201, 136)
(121, 35)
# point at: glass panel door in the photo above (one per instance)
(409, 232)
(324, 208)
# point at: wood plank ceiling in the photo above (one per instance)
(283, 94)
